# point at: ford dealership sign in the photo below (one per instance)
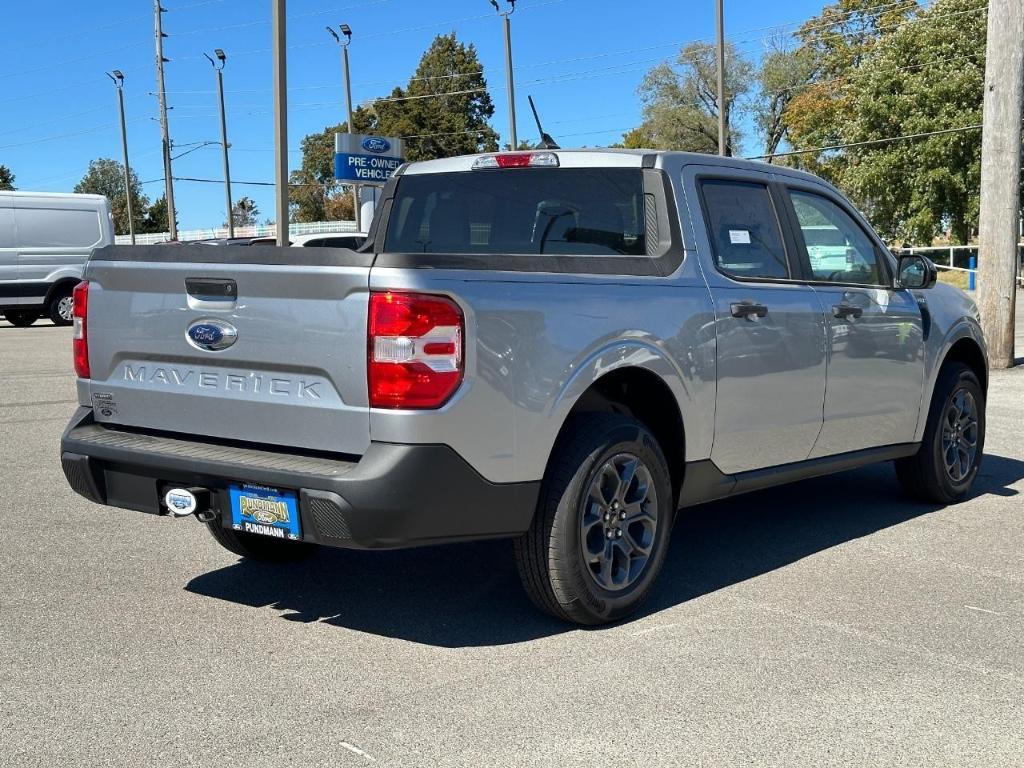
(366, 159)
(376, 145)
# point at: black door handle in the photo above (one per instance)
(845, 311)
(748, 308)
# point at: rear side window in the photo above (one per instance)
(568, 211)
(57, 228)
(744, 229)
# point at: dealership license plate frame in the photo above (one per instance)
(257, 509)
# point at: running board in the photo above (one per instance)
(704, 481)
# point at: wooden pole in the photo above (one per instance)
(1000, 177)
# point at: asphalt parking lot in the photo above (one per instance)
(828, 622)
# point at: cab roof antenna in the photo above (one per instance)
(546, 142)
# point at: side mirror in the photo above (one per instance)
(916, 272)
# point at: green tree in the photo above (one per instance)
(106, 177)
(920, 77)
(444, 109)
(889, 71)
(784, 71)
(156, 217)
(680, 103)
(245, 212)
(835, 44)
(442, 112)
(315, 194)
(6, 179)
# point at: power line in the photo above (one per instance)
(45, 139)
(61, 119)
(292, 17)
(390, 32)
(838, 19)
(923, 134)
(846, 80)
(64, 63)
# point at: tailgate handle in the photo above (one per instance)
(211, 289)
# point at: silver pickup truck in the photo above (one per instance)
(563, 348)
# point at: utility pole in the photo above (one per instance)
(722, 117)
(223, 59)
(281, 119)
(118, 77)
(346, 30)
(172, 225)
(514, 139)
(1000, 177)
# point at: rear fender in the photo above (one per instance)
(631, 353)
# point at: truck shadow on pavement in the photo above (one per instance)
(469, 594)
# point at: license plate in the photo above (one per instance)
(265, 511)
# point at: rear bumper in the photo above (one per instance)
(393, 496)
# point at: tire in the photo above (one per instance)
(927, 475)
(557, 559)
(21, 318)
(61, 306)
(257, 547)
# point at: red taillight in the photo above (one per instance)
(80, 344)
(415, 350)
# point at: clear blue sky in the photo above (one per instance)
(581, 61)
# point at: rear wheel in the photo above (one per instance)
(602, 526)
(945, 466)
(61, 306)
(21, 318)
(257, 547)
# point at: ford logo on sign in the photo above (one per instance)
(211, 335)
(376, 145)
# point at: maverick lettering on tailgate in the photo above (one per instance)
(251, 382)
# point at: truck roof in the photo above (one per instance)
(608, 158)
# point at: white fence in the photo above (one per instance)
(957, 258)
(260, 230)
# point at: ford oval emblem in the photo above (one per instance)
(211, 335)
(376, 145)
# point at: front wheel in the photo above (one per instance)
(945, 466)
(21, 318)
(256, 547)
(603, 521)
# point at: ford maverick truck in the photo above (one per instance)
(562, 348)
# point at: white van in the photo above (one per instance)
(45, 239)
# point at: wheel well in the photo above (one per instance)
(644, 396)
(57, 288)
(968, 352)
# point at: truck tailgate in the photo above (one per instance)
(295, 374)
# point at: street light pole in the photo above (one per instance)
(509, 80)
(223, 59)
(722, 118)
(346, 31)
(281, 120)
(118, 77)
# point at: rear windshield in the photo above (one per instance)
(575, 211)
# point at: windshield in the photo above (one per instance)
(576, 211)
